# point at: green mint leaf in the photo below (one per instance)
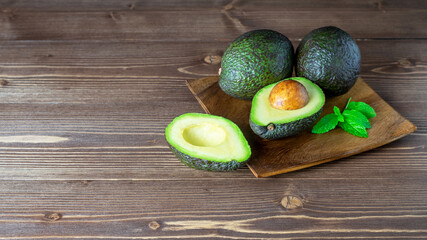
(356, 130)
(340, 118)
(362, 107)
(338, 114)
(354, 117)
(348, 101)
(337, 111)
(326, 124)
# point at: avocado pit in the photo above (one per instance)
(288, 95)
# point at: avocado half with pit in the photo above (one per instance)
(286, 108)
(207, 142)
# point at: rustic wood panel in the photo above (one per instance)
(205, 25)
(66, 66)
(195, 209)
(31, 57)
(137, 5)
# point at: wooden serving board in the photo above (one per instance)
(271, 157)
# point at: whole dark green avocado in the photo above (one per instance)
(329, 57)
(254, 60)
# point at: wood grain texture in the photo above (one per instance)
(199, 209)
(87, 87)
(138, 5)
(218, 24)
(304, 150)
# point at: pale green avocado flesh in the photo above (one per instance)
(207, 142)
(272, 123)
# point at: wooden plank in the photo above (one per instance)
(214, 209)
(138, 5)
(178, 60)
(79, 64)
(17, 56)
(205, 24)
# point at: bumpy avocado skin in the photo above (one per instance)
(329, 57)
(207, 165)
(254, 60)
(285, 129)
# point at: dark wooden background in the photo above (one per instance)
(87, 88)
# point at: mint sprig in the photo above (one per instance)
(354, 119)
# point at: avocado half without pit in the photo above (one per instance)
(286, 108)
(207, 142)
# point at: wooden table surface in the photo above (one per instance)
(87, 88)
